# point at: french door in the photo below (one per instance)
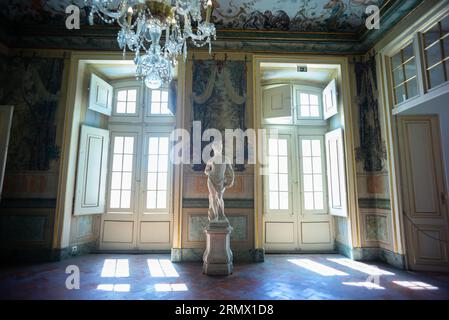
(295, 208)
(139, 207)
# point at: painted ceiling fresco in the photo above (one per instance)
(282, 15)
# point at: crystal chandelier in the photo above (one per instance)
(143, 22)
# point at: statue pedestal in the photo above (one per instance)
(217, 259)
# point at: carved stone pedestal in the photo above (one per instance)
(217, 259)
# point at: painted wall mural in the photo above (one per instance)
(294, 15)
(372, 150)
(297, 15)
(33, 86)
(219, 97)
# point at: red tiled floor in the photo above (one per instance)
(279, 277)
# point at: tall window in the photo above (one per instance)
(159, 102)
(157, 174)
(403, 65)
(126, 101)
(436, 53)
(312, 173)
(122, 170)
(278, 181)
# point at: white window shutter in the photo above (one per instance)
(100, 95)
(330, 107)
(92, 169)
(277, 102)
(336, 173)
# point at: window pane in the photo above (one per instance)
(272, 147)
(121, 107)
(304, 97)
(398, 76)
(161, 199)
(155, 96)
(126, 180)
(153, 146)
(152, 163)
(436, 75)
(308, 200)
(273, 182)
(115, 199)
(116, 180)
(283, 200)
(163, 145)
(412, 88)
(319, 203)
(131, 107)
(433, 55)
(400, 94)
(117, 162)
(129, 145)
(410, 69)
(128, 163)
(274, 200)
(305, 111)
(164, 96)
(283, 147)
(446, 46)
(125, 200)
(306, 148)
(273, 164)
(283, 182)
(283, 165)
(396, 60)
(314, 111)
(445, 26)
(121, 95)
(408, 52)
(162, 181)
(118, 145)
(155, 108)
(163, 163)
(164, 108)
(132, 95)
(317, 182)
(313, 100)
(307, 165)
(316, 148)
(316, 165)
(151, 199)
(308, 182)
(151, 181)
(432, 35)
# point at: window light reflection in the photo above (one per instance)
(317, 267)
(115, 268)
(362, 267)
(162, 268)
(167, 287)
(415, 285)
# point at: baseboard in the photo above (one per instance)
(372, 254)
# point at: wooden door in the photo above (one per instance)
(424, 193)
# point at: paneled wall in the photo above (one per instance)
(34, 83)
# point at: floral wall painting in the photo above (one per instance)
(33, 86)
(293, 15)
(372, 150)
(219, 97)
(284, 15)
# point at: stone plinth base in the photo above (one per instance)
(217, 259)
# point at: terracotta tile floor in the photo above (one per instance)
(118, 276)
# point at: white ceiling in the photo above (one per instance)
(317, 74)
(119, 69)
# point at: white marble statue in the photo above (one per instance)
(220, 176)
